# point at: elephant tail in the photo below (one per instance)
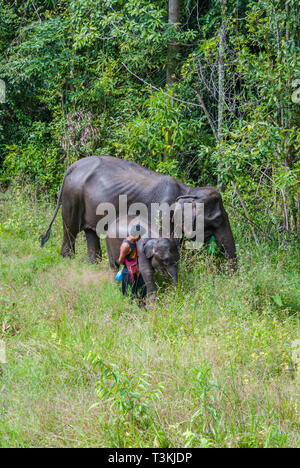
(45, 237)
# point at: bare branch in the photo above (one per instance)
(207, 114)
(188, 103)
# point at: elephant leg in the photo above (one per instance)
(94, 254)
(113, 268)
(68, 244)
(149, 280)
(225, 239)
(71, 215)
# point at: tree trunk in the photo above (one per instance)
(222, 46)
(173, 47)
(221, 77)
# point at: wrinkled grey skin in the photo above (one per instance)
(154, 254)
(97, 179)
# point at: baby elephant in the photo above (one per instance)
(153, 252)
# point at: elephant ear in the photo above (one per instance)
(149, 248)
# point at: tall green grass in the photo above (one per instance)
(210, 365)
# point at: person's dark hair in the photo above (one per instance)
(137, 230)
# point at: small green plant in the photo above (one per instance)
(213, 248)
(131, 396)
(204, 399)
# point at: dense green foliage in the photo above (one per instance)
(78, 72)
(214, 367)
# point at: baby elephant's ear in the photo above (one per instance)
(149, 248)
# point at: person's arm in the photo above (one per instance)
(124, 250)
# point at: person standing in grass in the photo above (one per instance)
(131, 277)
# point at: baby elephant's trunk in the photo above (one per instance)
(173, 272)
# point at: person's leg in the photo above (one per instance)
(134, 287)
(137, 287)
(125, 281)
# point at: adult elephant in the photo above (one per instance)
(101, 179)
(154, 253)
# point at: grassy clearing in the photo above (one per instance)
(208, 367)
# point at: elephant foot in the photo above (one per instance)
(67, 254)
(93, 259)
(232, 266)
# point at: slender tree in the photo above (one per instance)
(173, 46)
(221, 75)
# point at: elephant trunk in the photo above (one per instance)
(225, 239)
(173, 272)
